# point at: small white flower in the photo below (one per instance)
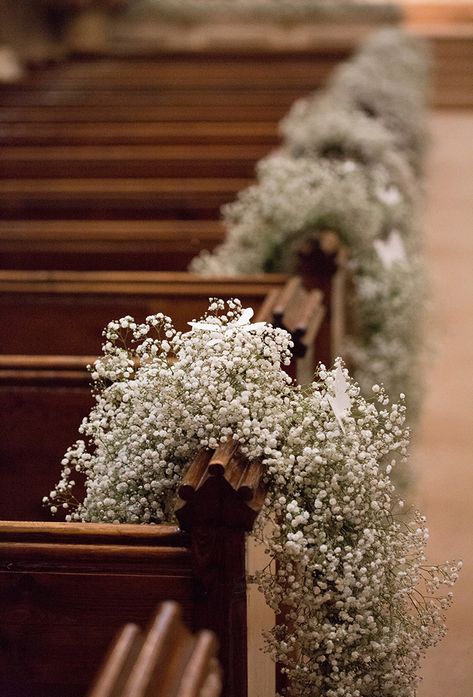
(392, 250)
(340, 401)
(240, 324)
(389, 195)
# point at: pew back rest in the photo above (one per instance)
(65, 312)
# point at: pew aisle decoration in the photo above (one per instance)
(360, 602)
(350, 163)
(386, 83)
(295, 198)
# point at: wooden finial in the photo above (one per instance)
(221, 487)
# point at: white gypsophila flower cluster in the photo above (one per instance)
(387, 80)
(272, 10)
(332, 126)
(358, 601)
(349, 167)
(293, 199)
(152, 414)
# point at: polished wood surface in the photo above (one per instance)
(138, 161)
(65, 312)
(117, 197)
(67, 588)
(114, 245)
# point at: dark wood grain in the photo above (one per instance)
(76, 245)
(66, 589)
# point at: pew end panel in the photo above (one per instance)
(66, 588)
(323, 264)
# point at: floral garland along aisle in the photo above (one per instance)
(361, 603)
(351, 163)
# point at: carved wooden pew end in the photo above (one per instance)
(221, 488)
(166, 661)
(300, 312)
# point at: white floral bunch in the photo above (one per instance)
(158, 392)
(366, 206)
(387, 81)
(332, 126)
(360, 604)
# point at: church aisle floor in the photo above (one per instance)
(443, 452)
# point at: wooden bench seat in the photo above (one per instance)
(65, 589)
(152, 134)
(157, 161)
(102, 199)
(142, 245)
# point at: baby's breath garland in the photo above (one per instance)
(350, 163)
(366, 206)
(350, 576)
(387, 80)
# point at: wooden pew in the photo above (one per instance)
(130, 161)
(104, 95)
(165, 661)
(139, 133)
(36, 306)
(36, 113)
(65, 589)
(65, 312)
(117, 198)
(199, 70)
(43, 399)
(57, 319)
(322, 263)
(75, 245)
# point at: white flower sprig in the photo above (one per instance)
(242, 323)
(349, 578)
